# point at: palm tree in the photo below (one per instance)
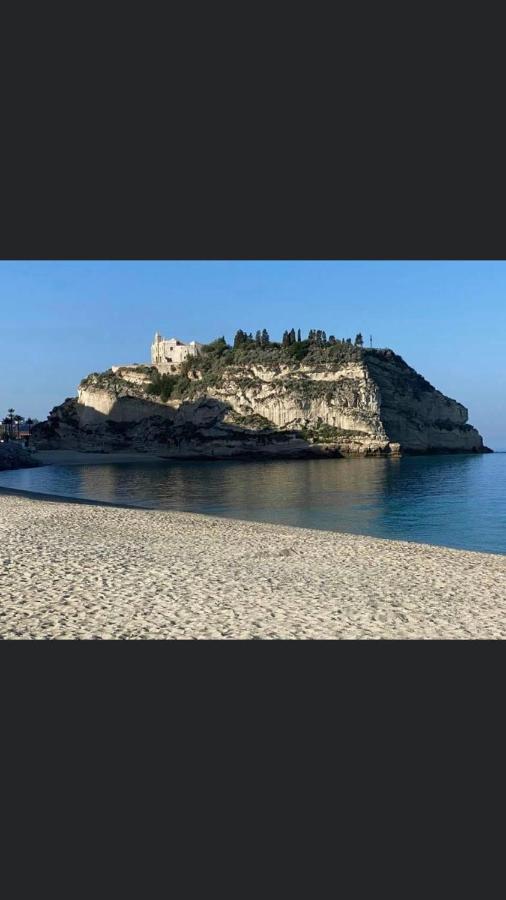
(6, 427)
(18, 420)
(11, 412)
(29, 422)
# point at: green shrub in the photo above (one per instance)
(162, 386)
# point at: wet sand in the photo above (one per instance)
(78, 571)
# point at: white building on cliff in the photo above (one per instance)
(168, 353)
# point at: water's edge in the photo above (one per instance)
(55, 498)
(65, 498)
(456, 501)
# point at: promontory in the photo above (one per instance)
(311, 397)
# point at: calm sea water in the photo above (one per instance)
(455, 501)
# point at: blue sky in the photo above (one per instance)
(62, 320)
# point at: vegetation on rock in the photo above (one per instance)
(256, 392)
(14, 456)
(199, 374)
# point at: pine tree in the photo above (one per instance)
(332, 339)
(286, 339)
(240, 339)
(258, 338)
(292, 337)
(359, 341)
(299, 336)
(265, 338)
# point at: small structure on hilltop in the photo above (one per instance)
(167, 354)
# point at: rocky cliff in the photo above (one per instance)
(334, 400)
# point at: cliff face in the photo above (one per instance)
(369, 403)
(415, 414)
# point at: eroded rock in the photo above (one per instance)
(372, 404)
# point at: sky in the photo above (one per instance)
(59, 321)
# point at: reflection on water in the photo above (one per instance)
(268, 491)
(457, 501)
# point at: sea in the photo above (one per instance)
(449, 500)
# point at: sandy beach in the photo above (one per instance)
(74, 571)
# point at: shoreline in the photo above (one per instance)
(110, 572)
(75, 458)
(39, 496)
(61, 498)
(95, 458)
(82, 457)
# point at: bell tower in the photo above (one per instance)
(155, 349)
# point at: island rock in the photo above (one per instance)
(337, 400)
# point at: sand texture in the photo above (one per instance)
(76, 571)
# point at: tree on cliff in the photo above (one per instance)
(289, 338)
(318, 337)
(265, 338)
(241, 338)
(359, 341)
(216, 347)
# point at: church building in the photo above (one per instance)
(168, 353)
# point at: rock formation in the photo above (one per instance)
(13, 456)
(334, 401)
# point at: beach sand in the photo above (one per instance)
(82, 571)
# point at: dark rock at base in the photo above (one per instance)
(13, 456)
